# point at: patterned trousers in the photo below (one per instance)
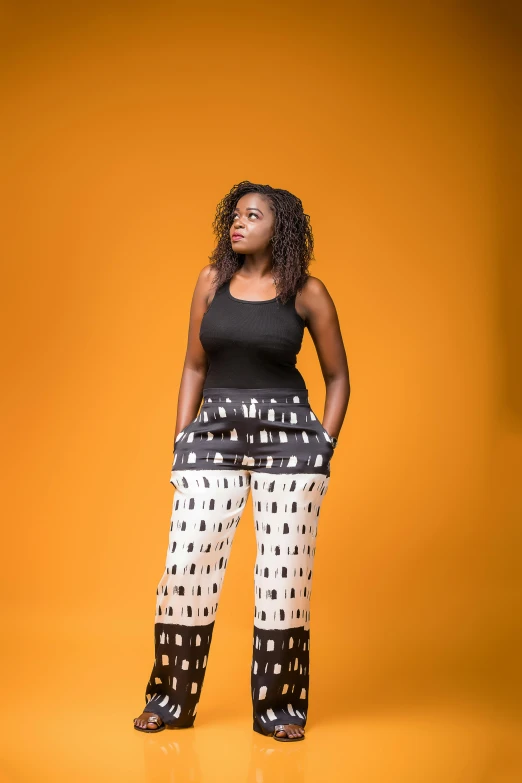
(268, 441)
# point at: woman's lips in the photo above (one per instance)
(236, 237)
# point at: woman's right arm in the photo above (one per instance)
(196, 363)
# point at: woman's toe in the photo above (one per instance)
(291, 730)
(144, 723)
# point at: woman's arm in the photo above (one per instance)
(317, 307)
(196, 363)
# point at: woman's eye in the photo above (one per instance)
(250, 213)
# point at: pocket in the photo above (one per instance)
(326, 431)
(183, 433)
(328, 436)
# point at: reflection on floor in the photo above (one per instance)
(68, 717)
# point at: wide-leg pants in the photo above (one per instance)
(271, 442)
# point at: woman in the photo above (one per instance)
(255, 431)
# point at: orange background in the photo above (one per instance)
(396, 125)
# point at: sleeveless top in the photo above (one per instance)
(251, 344)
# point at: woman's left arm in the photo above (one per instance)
(323, 324)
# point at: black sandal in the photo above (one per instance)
(281, 727)
(153, 719)
(258, 726)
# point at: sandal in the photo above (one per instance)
(281, 727)
(153, 719)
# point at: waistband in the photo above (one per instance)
(286, 395)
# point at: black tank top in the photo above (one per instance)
(251, 344)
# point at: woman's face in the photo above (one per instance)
(252, 224)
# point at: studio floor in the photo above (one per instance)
(69, 718)
(401, 746)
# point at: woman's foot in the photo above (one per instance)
(143, 723)
(291, 730)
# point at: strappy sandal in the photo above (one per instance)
(153, 719)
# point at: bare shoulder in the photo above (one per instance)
(313, 299)
(313, 288)
(314, 292)
(206, 278)
(204, 290)
(207, 275)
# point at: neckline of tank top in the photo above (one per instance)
(225, 288)
(248, 301)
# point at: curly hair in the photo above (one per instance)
(292, 243)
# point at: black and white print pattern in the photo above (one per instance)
(287, 487)
(274, 431)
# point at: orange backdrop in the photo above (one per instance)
(126, 125)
